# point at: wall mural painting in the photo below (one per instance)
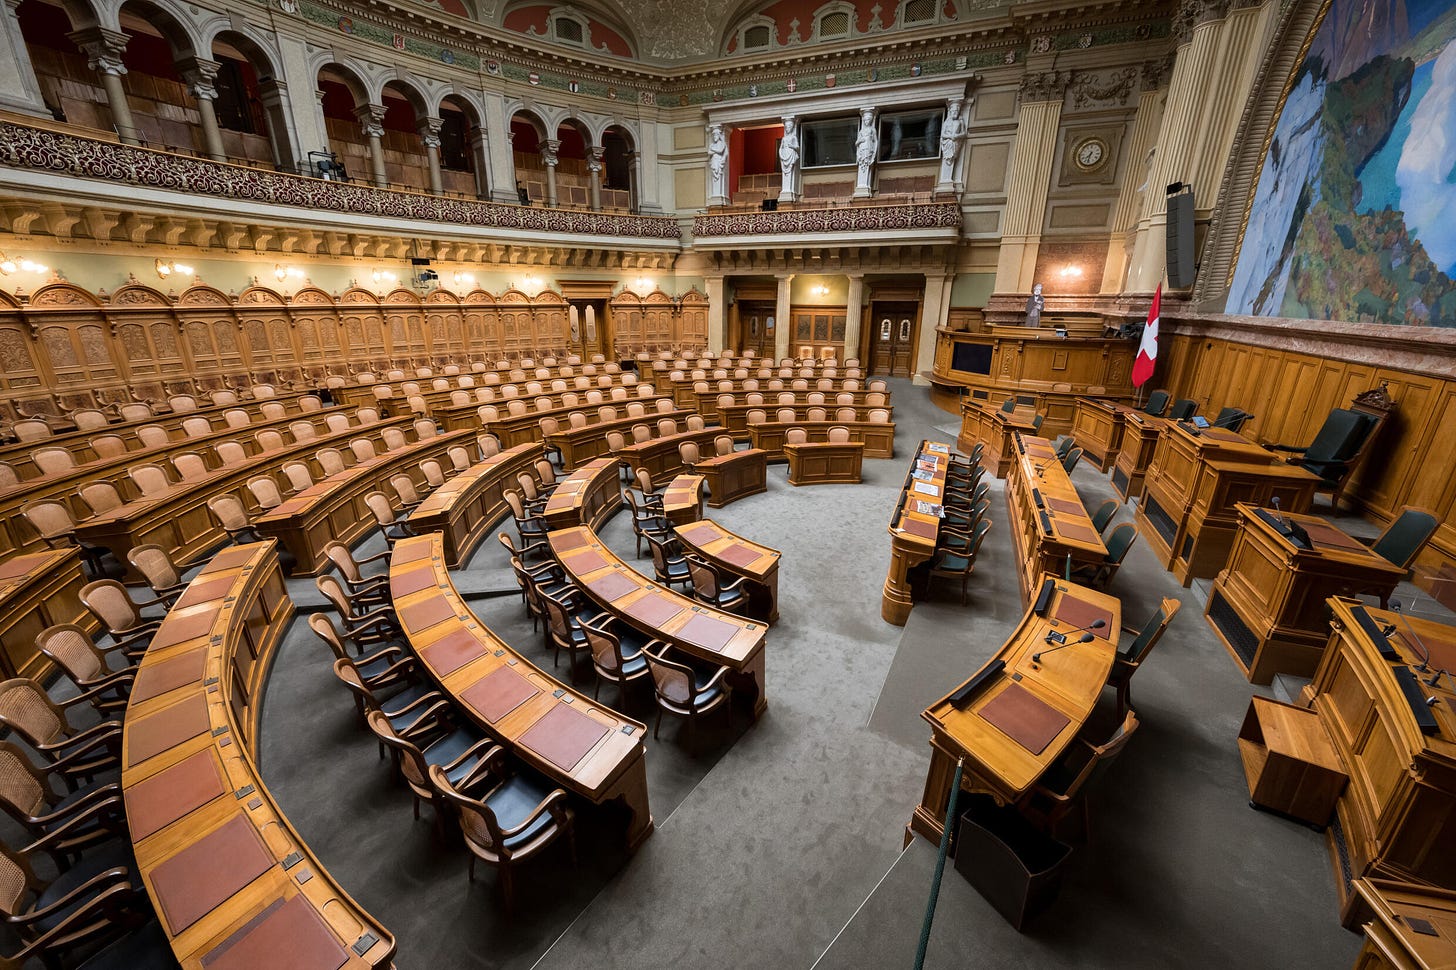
(1354, 215)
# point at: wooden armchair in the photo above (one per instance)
(417, 713)
(685, 690)
(71, 649)
(26, 709)
(507, 818)
(1062, 788)
(617, 653)
(1129, 659)
(708, 585)
(362, 589)
(53, 523)
(1342, 442)
(393, 528)
(529, 524)
(161, 573)
(668, 562)
(82, 907)
(647, 520)
(233, 518)
(381, 671)
(1118, 543)
(459, 755)
(62, 823)
(566, 612)
(367, 623)
(109, 602)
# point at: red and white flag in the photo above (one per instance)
(1147, 355)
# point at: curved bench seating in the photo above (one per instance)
(589, 496)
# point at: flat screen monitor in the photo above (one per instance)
(973, 358)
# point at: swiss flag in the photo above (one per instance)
(1147, 356)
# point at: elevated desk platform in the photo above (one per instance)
(334, 508)
(913, 529)
(996, 430)
(1188, 513)
(576, 742)
(1394, 817)
(1140, 434)
(1268, 603)
(589, 496)
(38, 590)
(1021, 718)
(734, 417)
(515, 429)
(234, 886)
(465, 508)
(682, 500)
(825, 462)
(656, 611)
(758, 565)
(1097, 426)
(1047, 520)
(734, 476)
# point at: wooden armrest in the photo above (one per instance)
(485, 749)
(119, 875)
(111, 807)
(96, 795)
(104, 731)
(713, 681)
(546, 804)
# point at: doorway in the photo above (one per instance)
(754, 318)
(892, 337)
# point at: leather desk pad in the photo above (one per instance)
(451, 652)
(585, 562)
(413, 554)
(654, 610)
(20, 565)
(196, 880)
(1328, 535)
(1067, 505)
(573, 541)
(919, 527)
(1024, 718)
(1077, 613)
(707, 632)
(158, 678)
(700, 532)
(426, 614)
(168, 795)
(204, 592)
(167, 728)
(613, 585)
(287, 935)
(180, 629)
(410, 581)
(563, 736)
(740, 556)
(231, 558)
(498, 693)
(1077, 531)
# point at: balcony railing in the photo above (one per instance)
(844, 218)
(22, 146)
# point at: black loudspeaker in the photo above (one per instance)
(770, 205)
(1180, 240)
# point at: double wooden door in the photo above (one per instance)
(754, 317)
(892, 326)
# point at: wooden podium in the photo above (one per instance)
(1411, 927)
(1140, 433)
(1268, 604)
(1394, 819)
(1097, 427)
(995, 429)
(1187, 514)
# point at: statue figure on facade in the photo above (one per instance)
(866, 146)
(1034, 305)
(789, 155)
(717, 164)
(952, 137)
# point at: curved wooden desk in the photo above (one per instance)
(878, 439)
(660, 455)
(334, 508)
(465, 508)
(1041, 705)
(682, 500)
(733, 476)
(38, 590)
(825, 462)
(233, 885)
(995, 429)
(580, 445)
(1048, 521)
(656, 611)
(578, 743)
(913, 532)
(589, 496)
(733, 554)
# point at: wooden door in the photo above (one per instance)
(892, 337)
(753, 317)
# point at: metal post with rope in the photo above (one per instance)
(950, 814)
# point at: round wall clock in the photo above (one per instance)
(1090, 154)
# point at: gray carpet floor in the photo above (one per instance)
(781, 843)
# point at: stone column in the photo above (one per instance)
(1031, 173)
(429, 129)
(480, 152)
(371, 123)
(1136, 178)
(933, 314)
(19, 89)
(783, 326)
(853, 315)
(104, 49)
(549, 148)
(866, 154)
(198, 74)
(789, 160)
(595, 163)
(634, 181)
(716, 313)
(274, 96)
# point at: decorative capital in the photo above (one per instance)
(595, 158)
(549, 149)
(199, 73)
(429, 129)
(371, 120)
(1156, 73)
(1193, 14)
(1044, 86)
(103, 49)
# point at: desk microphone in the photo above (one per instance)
(1410, 637)
(1277, 513)
(1085, 638)
(1054, 636)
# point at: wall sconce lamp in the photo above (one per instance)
(166, 267)
(1070, 272)
(9, 266)
(819, 289)
(385, 276)
(463, 279)
(281, 272)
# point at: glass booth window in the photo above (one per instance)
(829, 141)
(910, 134)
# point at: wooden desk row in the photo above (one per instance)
(877, 437)
(733, 476)
(465, 509)
(438, 404)
(682, 500)
(589, 496)
(358, 394)
(333, 509)
(1020, 718)
(685, 393)
(578, 743)
(515, 429)
(756, 564)
(734, 418)
(78, 443)
(1188, 513)
(1140, 434)
(995, 430)
(234, 886)
(38, 590)
(1411, 927)
(656, 611)
(1097, 427)
(914, 527)
(64, 487)
(1048, 522)
(660, 456)
(178, 519)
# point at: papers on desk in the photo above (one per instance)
(929, 508)
(925, 489)
(921, 475)
(937, 448)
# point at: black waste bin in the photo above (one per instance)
(1013, 865)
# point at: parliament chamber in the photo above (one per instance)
(449, 452)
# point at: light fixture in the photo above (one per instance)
(462, 278)
(281, 272)
(531, 285)
(385, 276)
(1071, 272)
(166, 267)
(8, 266)
(642, 284)
(819, 289)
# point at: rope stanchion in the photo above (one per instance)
(950, 814)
